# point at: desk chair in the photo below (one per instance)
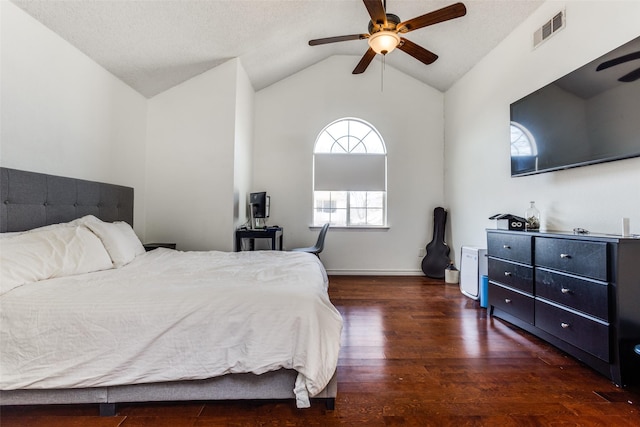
(319, 246)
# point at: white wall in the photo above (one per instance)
(243, 146)
(291, 113)
(63, 114)
(477, 174)
(190, 161)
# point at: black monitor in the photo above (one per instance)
(259, 204)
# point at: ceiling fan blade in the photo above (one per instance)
(376, 11)
(365, 61)
(631, 77)
(326, 40)
(446, 13)
(619, 60)
(421, 54)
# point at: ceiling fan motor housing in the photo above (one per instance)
(392, 23)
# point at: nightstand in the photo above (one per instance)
(151, 246)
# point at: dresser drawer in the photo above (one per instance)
(513, 275)
(580, 294)
(512, 247)
(579, 331)
(587, 259)
(512, 302)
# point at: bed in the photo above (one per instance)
(142, 326)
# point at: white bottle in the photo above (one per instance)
(625, 227)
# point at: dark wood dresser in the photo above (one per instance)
(579, 292)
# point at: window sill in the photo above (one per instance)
(353, 227)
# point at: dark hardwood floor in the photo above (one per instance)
(415, 352)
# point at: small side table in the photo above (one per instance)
(273, 233)
(151, 246)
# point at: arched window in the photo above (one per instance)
(350, 175)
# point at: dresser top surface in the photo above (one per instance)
(615, 238)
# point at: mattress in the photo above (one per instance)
(173, 316)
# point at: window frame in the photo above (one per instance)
(371, 141)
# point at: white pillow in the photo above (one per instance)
(84, 220)
(119, 239)
(45, 254)
(10, 234)
(74, 223)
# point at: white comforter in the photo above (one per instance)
(172, 315)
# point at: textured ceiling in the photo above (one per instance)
(153, 45)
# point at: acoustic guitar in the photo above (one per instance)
(437, 258)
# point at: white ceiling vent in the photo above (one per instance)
(549, 28)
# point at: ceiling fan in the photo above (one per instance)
(385, 29)
(627, 78)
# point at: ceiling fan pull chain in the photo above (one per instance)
(384, 61)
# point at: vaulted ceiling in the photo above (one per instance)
(153, 45)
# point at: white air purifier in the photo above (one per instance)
(473, 265)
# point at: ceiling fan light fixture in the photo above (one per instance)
(384, 42)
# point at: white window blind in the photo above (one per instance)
(349, 172)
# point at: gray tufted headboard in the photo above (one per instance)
(30, 200)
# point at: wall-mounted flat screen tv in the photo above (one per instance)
(591, 115)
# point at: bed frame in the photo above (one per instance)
(30, 200)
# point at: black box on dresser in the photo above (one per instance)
(579, 292)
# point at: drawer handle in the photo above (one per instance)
(565, 290)
(507, 300)
(565, 256)
(506, 246)
(564, 325)
(507, 273)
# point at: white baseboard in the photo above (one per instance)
(375, 273)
